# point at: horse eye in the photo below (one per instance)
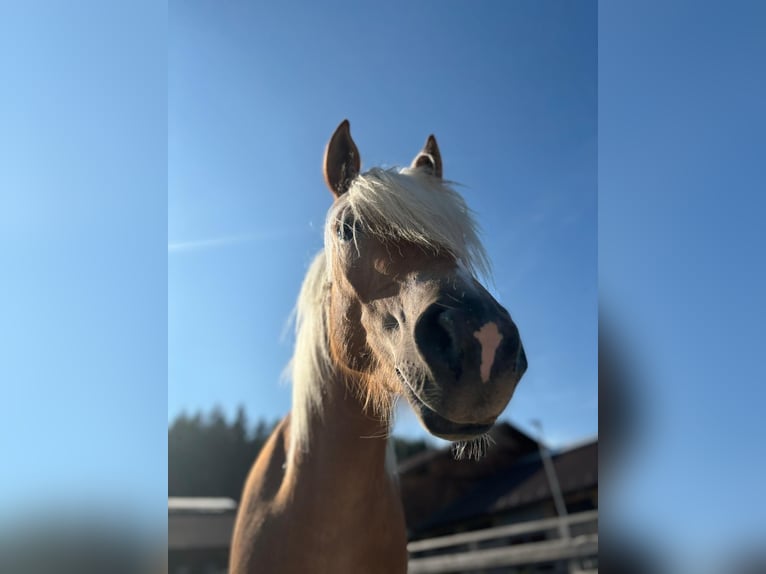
(346, 230)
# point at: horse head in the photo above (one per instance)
(406, 313)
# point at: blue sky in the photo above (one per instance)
(83, 283)
(254, 92)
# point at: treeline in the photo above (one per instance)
(208, 455)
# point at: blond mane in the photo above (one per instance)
(412, 206)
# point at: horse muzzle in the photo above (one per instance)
(475, 357)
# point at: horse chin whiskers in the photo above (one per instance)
(473, 449)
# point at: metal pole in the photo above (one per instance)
(553, 483)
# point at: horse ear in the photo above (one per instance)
(429, 158)
(341, 160)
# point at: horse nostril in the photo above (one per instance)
(435, 336)
(390, 323)
(448, 332)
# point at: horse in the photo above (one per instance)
(390, 308)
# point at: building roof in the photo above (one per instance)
(525, 482)
(196, 523)
(432, 480)
(200, 505)
(438, 490)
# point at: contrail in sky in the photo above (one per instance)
(199, 244)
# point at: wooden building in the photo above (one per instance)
(199, 534)
(442, 495)
(500, 511)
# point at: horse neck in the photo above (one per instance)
(347, 503)
(342, 438)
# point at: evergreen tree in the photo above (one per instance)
(210, 456)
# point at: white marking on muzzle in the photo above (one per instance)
(489, 338)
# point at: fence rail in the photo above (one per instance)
(553, 550)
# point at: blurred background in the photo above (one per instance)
(83, 286)
(148, 153)
(681, 280)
